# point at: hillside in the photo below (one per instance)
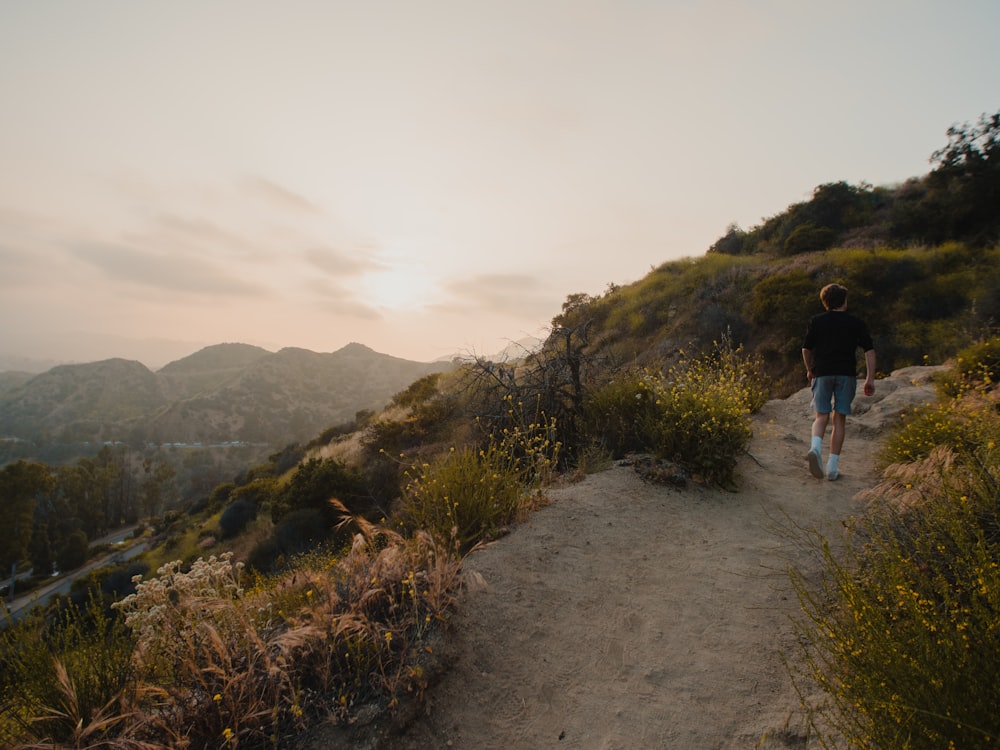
(921, 260)
(224, 393)
(630, 614)
(73, 403)
(607, 611)
(208, 368)
(921, 304)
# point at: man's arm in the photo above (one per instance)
(870, 372)
(808, 359)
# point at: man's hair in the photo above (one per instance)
(833, 296)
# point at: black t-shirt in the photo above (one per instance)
(833, 337)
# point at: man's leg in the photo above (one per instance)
(837, 436)
(819, 425)
(814, 456)
(836, 443)
(843, 396)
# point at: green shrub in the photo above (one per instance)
(419, 392)
(785, 299)
(314, 482)
(470, 494)
(924, 428)
(617, 414)
(429, 419)
(808, 238)
(904, 632)
(73, 552)
(965, 418)
(696, 414)
(236, 517)
(978, 365)
(702, 412)
(61, 673)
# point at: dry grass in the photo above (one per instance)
(224, 662)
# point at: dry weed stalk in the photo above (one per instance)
(906, 485)
(100, 730)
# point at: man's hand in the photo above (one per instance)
(870, 387)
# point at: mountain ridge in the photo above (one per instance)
(220, 393)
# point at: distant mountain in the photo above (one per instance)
(208, 368)
(218, 357)
(74, 403)
(12, 379)
(223, 393)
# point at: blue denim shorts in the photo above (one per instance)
(838, 388)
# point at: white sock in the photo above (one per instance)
(817, 444)
(831, 465)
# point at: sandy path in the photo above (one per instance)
(630, 615)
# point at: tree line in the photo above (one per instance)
(956, 201)
(53, 513)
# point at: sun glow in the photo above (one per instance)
(400, 288)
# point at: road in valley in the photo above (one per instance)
(62, 585)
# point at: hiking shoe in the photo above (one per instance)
(833, 475)
(815, 465)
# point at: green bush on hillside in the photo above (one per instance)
(904, 630)
(923, 429)
(469, 494)
(808, 237)
(63, 675)
(903, 634)
(618, 414)
(963, 420)
(978, 366)
(701, 421)
(697, 413)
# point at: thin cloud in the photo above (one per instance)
(279, 197)
(342, 262)
(163, 272)
(13, 220)
(495, 287)
(497, 292)
(198, 233)
(18, 267)
(340, 299)
(29, 254)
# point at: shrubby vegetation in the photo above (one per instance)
(920, 303)
(219, 655)
(352, 544)
(209, 657)
(695, 413)
(957, 200)
(903, 632)
(922, 266)
(470, 494)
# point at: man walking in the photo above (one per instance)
(829, 353)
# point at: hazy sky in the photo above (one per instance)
(429, 177)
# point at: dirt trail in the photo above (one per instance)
(630, 615)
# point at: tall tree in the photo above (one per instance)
(965, 184)
(40, 549)
(20, 483)
(157, 490)
(85, 488)
(120, 493)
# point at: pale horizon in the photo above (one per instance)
(435, 178)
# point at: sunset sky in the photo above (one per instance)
(432, 177)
